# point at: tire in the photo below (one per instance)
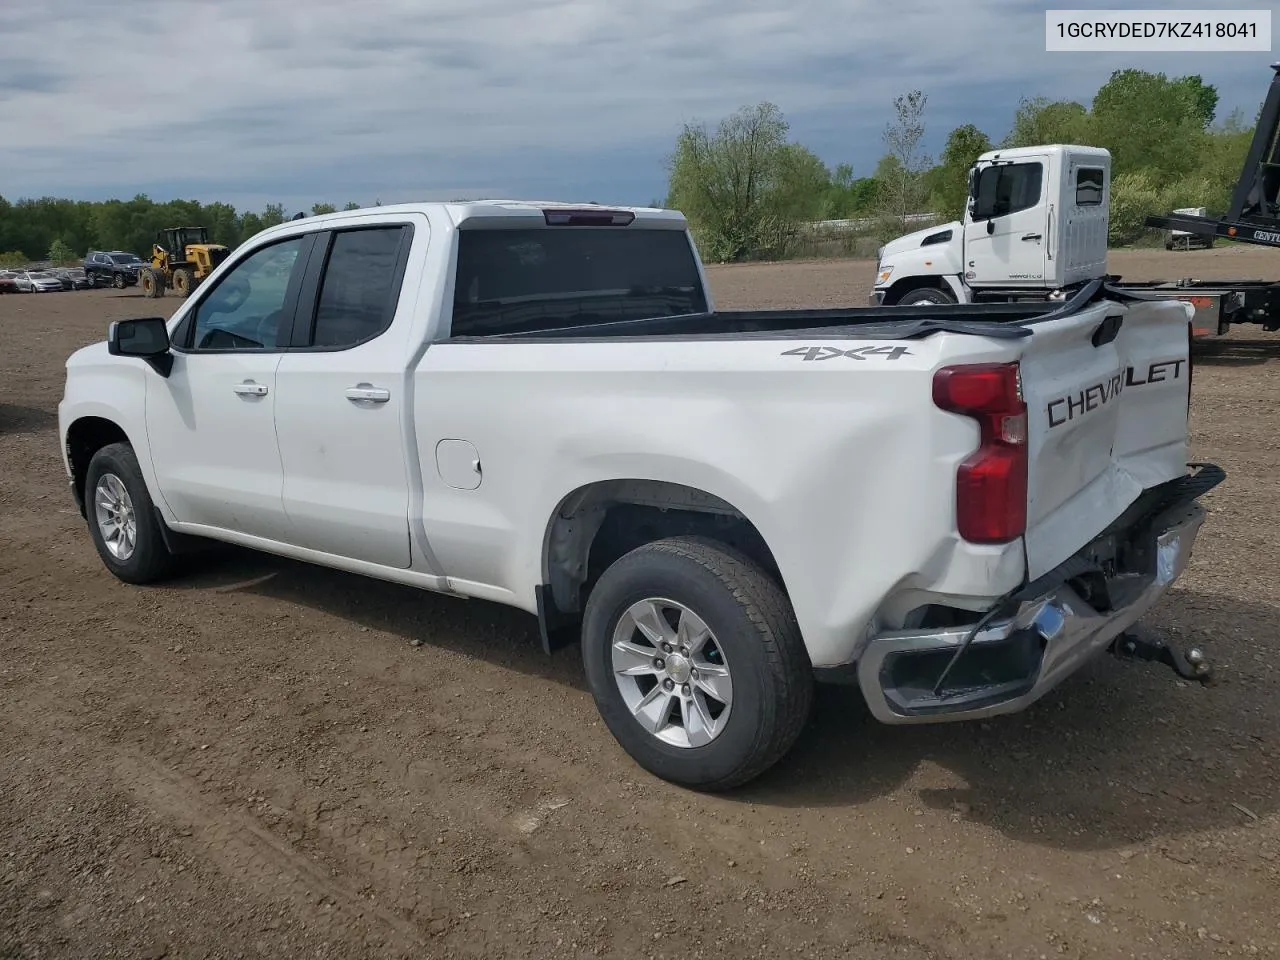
(754, 638)
(924, 295)
(152, 282)
(112, 469)
(117, 281)
(183, 282)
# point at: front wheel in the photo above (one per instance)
(122, 521)
(696, 663)
(183, 282)
(152, 282)
(118, 281)
(923, 296)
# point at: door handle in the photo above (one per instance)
(1031, 236)
(367, 394)
(250, 389)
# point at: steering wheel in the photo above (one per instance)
(268, 329)
(231, 294)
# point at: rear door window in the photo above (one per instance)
(361, 286)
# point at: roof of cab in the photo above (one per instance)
(460, 210)
(1013, 153)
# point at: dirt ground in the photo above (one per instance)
(255, 761)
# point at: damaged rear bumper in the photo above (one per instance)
(1049, 628)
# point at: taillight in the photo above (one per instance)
(991, 484)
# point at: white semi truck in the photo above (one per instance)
(1035, 228)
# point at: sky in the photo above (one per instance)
(302, 101)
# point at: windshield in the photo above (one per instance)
(544, 278)
(125, 258)
(39, 276)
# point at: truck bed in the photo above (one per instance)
(1003, 320)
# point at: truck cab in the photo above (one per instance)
(1035, 223)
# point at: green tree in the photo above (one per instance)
(223, 223)
(319, 208)
(59, 252)
(273, 215)
(901, 171)
(744, 187)
(351, 205)
(1204, 97)
(1039, 120)
(848, 196)
(1152, 123)
(949, 181)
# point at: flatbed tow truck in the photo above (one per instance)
(1035, 228)
(1254, 218)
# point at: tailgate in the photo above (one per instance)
(1106, 419)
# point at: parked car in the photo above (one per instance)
(37, 281)
(951, 507)
(8, 282)
(115, 268)
(78, 278)
(62, 276)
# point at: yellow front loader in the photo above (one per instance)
(180, 259)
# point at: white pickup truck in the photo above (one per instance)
(537, 404)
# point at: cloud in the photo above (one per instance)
(246, 99)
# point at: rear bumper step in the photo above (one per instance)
(1055, 624)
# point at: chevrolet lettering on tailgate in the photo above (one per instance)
(1067, 408)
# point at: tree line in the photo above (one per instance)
(748, 189)
(61, 230)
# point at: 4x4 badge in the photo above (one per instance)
(857, 353)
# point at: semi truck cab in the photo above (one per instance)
(1034, 224)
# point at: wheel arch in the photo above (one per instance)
(600, 521)
(85, 436)
(934, 282)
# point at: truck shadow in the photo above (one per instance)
(1120, 754)
(19, 419)
(1232, 352)
(472, 628)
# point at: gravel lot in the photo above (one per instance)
(254, 761)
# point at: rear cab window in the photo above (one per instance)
(531, 279)
(1089, 183)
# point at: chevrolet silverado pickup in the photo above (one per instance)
(951, 506)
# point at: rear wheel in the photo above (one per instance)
(122, 522)
(152, 282)
(696, 663)
(183, 282)
(923, 296)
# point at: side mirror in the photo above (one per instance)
(146, 339)
(991, 226)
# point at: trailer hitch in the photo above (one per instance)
(1190, 665)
